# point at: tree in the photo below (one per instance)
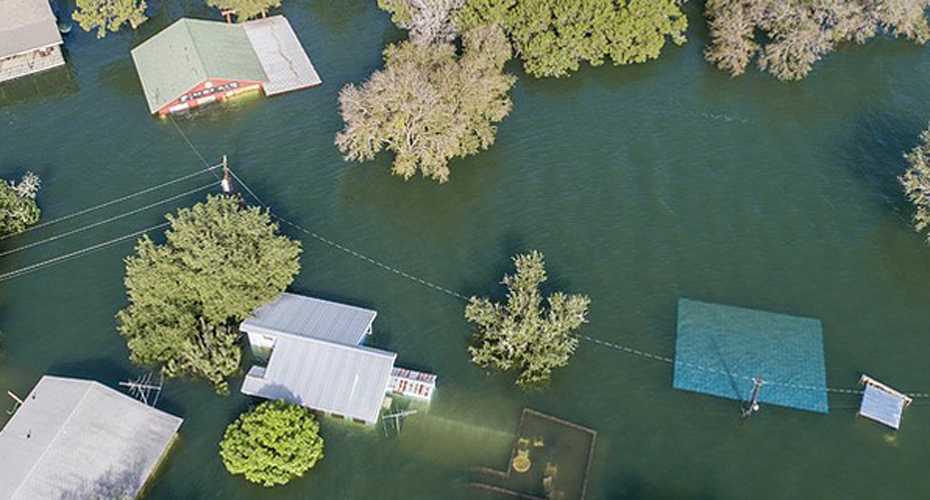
(272, 444)
(521, 334)
(429, 21)
(18, 208)
(245, 9)
(187, 296)
(916, 182)
(427, 106)
(795, 34)
(554, 36)
(109, 15)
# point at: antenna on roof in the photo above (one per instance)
(145, 388)
(753, 405)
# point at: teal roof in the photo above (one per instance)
(720, 349)
(190, 51)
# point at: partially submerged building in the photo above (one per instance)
(317, 359)
(75, 438)
(882, 403)
(195, 62)
(29, 38)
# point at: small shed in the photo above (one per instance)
(195, 62)
(29, 38)
(882, 403)
(723, 350)
(75, 438)
(339, 380)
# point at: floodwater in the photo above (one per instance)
(641, 185)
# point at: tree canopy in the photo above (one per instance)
(109, 15)
(554, 36)
(521, 334)
(789, 36)
(18, 208)
(186, 296)
(272, 444)
(245, 9)
(916, 182)
(427, 105)
(428, 21)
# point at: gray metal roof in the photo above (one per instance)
(77, 439)
(282, 57)
(335, 378)
(882, 406)
(26, 25)
(301, 316)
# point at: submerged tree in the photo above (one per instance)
(428, 106)
(789, 36)
(272, 444)
(109, 15)
(428, 21)
(916, 182)
(187, 296)
(18, 208)
(245, 9)
(554, 36)
(522, 334)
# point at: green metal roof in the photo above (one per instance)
(190, 51)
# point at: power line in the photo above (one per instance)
(107, 220)
(113, 202)
(72, 255)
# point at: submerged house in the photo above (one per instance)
(195, 62)
(74, 438)
(317, 359)
(29, 38)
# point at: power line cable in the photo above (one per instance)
(107, 220)
(72, 255)
(113, 202)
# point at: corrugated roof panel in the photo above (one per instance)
(79, 439)
(336, 378)
(303, 316)
(26, 25)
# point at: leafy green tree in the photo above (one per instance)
(554, 36)
(245, 9)
(428, 106)
(916, 182)
(789, 36)
(109, 15)
(187, 296)
(18, 208)
(272, 444)
(521, 334)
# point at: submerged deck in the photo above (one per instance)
(882, 403)
(282, 57)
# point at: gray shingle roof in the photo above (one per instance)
(335, 378)
(302, 316)
(77, 439)
(26, 25)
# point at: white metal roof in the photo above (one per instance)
(882, 403)
(335, 378)
(77, 439)
(302, 316)
(281, 55)
(26, 25)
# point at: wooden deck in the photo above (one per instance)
(32, 62)
(281, 55)
(882, 403)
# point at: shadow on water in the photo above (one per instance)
(631, 488)
(874, 150)
(56, 83)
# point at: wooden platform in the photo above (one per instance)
(31, 62)
(281, 55)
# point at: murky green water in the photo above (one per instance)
(641, 185)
